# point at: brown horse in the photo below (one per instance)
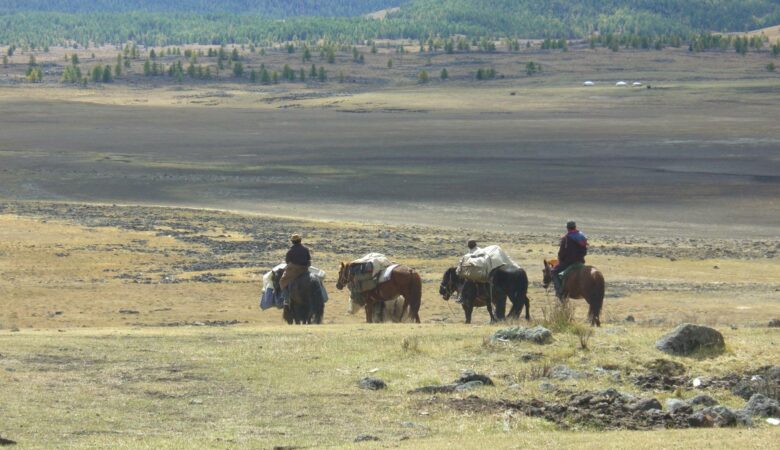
(404, 281)
(587, 283)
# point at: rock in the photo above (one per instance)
(366, 438)
(761, 405)
(630, 319)
(774, 323)
(743, 418)
(676, 406)
(545, 386)
(373, 384)
(666, 367)
(537, 334)
(743, 389)
(702, 399)
(688, 338)
(435, 389)
(5, 441)
(469, 376)
(527, 357)
(645, 404)
(563, 372)
(128, 311)
(469, 385)
(720, 415)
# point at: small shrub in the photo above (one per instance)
(410, 344)
(558, 316)
(584, 333)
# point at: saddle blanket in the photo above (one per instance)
(387, 273)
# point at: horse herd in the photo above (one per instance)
(306, 304)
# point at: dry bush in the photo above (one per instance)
(410, 344)
(584, 333)
(558, 316)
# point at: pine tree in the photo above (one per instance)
(97, 74)
(118, 70)
(238, 69)
(147, 68)
(107, 77)
(306, 54)
(444, 74)
(302, 74)
(253, 76)
(423, 76)
(313, 71)
(322, 76)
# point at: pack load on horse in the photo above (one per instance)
(571, 277)
(486, 277)
(301, 293)
(273, 298)
(374, 279)
(477, 265)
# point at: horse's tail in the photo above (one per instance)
(596, 300)
(416, 296)
(522, 295)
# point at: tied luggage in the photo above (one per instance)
(479, 265)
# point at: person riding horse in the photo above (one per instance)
(573, 249)
(298, 261)
(472, 245)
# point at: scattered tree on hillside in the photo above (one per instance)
(423, 77)
(444, 74)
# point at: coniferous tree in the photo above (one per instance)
(444, 74)
(322, 75)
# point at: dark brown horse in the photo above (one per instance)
(306, 304)
(503, 283)
(404, 281)
(587, 283)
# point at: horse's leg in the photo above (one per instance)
(527, 303)
(467, 309)
(369, 312)
(490, 310)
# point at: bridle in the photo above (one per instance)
(449, 287)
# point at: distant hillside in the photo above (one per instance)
(574, 18)
(266, 8)
(159, 22)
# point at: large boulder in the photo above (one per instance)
(688, 338)
(537, 334)
(761, 405)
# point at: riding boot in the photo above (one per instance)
(557, 284)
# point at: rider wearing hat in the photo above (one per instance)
(298, 260)
(572, 250)
(472, 244)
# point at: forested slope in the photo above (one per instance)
(160, 22)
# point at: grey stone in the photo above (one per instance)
(743, 418)
(645, 404)
(470, 375)
(676, 406)
(761, 405)
(688, 338)
(720, 415)
(366, 438)
(702, 399)
(563, 372)
(435, 389)
(469, 385)
(537, 334)
(545, 386)
(774, 323)
(373, 384)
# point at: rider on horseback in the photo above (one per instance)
(472, 244)
(298, 260)
(573, 248)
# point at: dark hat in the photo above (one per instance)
(295, 237)
(472, 243)
(571, 225)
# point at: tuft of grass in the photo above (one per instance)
(584, 333)
(410, 344)
(558, 316)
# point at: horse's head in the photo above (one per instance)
(343, 276)
(546, 275)
(449, 284)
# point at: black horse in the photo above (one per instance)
(306, 304)
(503, 283)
